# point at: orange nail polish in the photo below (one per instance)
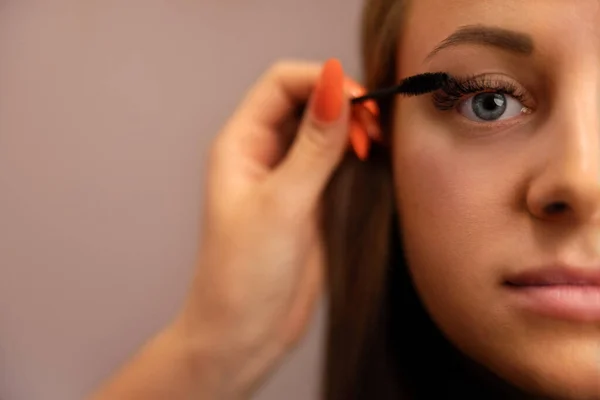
(371, 105)
(328, 100)
(359, 139)
(369, 121)
(356, 90)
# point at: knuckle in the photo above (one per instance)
(279, 69)
(319, 141)
(315, 143)
(287, 67)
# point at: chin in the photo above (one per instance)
(544, 357)
(545, 384)
(560, 369)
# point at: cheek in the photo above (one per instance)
(454, 202)
(443, 201)
(434, 207)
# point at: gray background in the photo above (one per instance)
(106, 109)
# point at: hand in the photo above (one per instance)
(261, 265)
(261, 255)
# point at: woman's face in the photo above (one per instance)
(501, 178)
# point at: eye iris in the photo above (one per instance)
(489, 106)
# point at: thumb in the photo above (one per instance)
(322, 138)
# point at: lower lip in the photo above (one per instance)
(568, 302)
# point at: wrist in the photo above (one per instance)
(168, 366)
(203, 361)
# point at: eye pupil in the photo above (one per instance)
(489, 106)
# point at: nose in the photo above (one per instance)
(567, 185)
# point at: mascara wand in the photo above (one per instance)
(412, 86)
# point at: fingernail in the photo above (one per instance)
(368, 121)
(328, 100)
(359, 139)
(356, 90)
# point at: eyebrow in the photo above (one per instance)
(515, 42)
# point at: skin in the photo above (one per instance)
(477, 192)
(260, 267)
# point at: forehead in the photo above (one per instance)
(560, 28)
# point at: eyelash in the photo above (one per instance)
(450, 97)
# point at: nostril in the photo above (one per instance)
(558, 207)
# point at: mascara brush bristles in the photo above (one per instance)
(412, 86)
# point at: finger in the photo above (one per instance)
(356, 90)
(284, 87)
(258, 137)
(359, 139)
(321, 140)
(256, 126)
(253, 142)
(368, 121)
(253, 139)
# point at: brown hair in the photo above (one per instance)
(381, 343)
(358, 226)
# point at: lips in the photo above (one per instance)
(556, 276)
(565, 293)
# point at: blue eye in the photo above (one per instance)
(490, 106)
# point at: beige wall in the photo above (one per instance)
(106, 108)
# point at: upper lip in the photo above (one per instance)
(556, 275)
